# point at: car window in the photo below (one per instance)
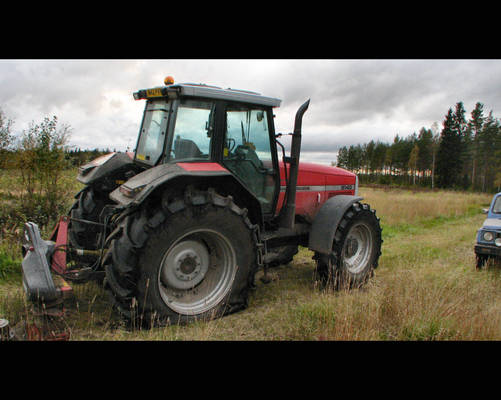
(496, 208)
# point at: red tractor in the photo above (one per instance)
(177, 230)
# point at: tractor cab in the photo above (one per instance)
(196, 123)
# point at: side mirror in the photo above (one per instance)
(485, 210)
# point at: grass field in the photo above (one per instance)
(426, 286)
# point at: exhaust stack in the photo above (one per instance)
(289, 209)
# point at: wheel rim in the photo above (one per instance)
(357, 249)
(197, 272)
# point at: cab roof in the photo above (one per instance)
(203, 90)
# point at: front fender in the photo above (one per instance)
(104, 166)
(326, 222)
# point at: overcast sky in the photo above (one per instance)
(352, 101)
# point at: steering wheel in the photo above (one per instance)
(231, 144)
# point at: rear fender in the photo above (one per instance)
(326, 222)
(155, 181)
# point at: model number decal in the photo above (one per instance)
(328, 188)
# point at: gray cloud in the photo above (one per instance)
(352, 101)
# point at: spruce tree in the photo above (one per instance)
(342, 157)
(449, 153)
(460, 128)
(488, 140)
(424, 143)
(475, 124)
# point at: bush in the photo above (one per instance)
(41, 162)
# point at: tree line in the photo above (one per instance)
(465, 154)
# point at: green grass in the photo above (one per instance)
(426, 288)
(9, 268)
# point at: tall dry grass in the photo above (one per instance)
(400, 206)
(425, 288)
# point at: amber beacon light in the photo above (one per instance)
(169, 80)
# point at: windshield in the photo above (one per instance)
(152, 134)
(496, 208)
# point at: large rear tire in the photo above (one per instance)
(189, 260)
(355, 250)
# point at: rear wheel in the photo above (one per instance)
(355, 250)
(198, 262)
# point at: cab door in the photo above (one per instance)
(249, 151)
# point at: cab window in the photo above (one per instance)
(193, 131)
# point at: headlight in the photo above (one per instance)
(498, 242)
(488, 236)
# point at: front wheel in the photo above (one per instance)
(481, 261)
(355, 250)
(88, 206)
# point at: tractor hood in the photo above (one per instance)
(311, 174)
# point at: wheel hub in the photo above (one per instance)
(189, 264)
(186, 265)
(197, 271)
(358, 248)
(351, 247)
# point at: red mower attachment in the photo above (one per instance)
(44, 271)
(44, 264)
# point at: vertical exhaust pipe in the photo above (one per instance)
(289, 209)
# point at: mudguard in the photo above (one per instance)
(327, 220)
(103, 166)
(137, 189)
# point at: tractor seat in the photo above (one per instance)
(185, 148)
